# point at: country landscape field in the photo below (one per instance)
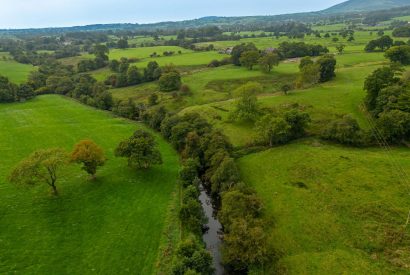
(221, 145)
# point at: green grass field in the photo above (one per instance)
(343, 95)
(16, 72)
(111, 225)
(332, 209)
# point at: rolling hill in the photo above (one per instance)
(366, 5)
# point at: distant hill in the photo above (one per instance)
(366, 5)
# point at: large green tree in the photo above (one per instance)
(377, 81)
(40, 166)
(267, 61)
(400, 54)
(169, 82)
(249, 59)
(140, 150)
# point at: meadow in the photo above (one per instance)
(333, 209)
(113, 224)
(15, 71)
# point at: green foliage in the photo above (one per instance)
(396, 97)
(394, 126)
(400, 54)
(152, 71)
(298, 122)
(191, 213)
(327, 64)
(378, 80)
(140, 149)
(239, 203)
(300, 49)
(344, 130)
(133, 76)
(305, 61)
(238, 50)
(403, 31)
(122, 43)
(40, 166)
(188, 172)
(8, 90)
(309, 75)
(340, 48)
(192, 258)
(246, 108)
(272, 130)
(267, 61)
(225, 176)
(383, 43)
(169, 82)
(245, 244)
(249, 59)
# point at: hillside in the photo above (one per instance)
(366, 5)
(113, 225)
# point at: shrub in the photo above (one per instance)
(345, 130)
(170, 82)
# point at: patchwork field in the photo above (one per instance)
(332, 209)
(111, 225)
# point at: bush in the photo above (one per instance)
(345, 130)
(394, 126)
(192, 258)
(170, 82)
(188, 172)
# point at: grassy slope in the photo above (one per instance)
(342, 95)
(349, 217)
(112, 225)
(16, 72)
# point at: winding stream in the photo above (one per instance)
(212, 237)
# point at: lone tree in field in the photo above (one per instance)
(340, 48)
(249, 59)
(169, 82)
(40, 166)
(267, 62)
(90, 155)
(247, 108)
(140, 149)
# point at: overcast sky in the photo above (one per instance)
(55, 13)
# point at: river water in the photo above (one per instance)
(212, 237)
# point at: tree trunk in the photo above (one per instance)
(55, 192)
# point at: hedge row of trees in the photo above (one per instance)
(10, 92)
(388, 100)
(100, 61)
(55, 78)
(248, 55)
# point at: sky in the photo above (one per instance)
(62, 13)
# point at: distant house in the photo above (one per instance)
(226, 51)
(271, 50)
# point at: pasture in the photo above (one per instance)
(111, 225)
(333, 209)
(343, 95)
(15, 71)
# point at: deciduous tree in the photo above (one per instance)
(90, 155)
(40, 166)
(140, 149)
